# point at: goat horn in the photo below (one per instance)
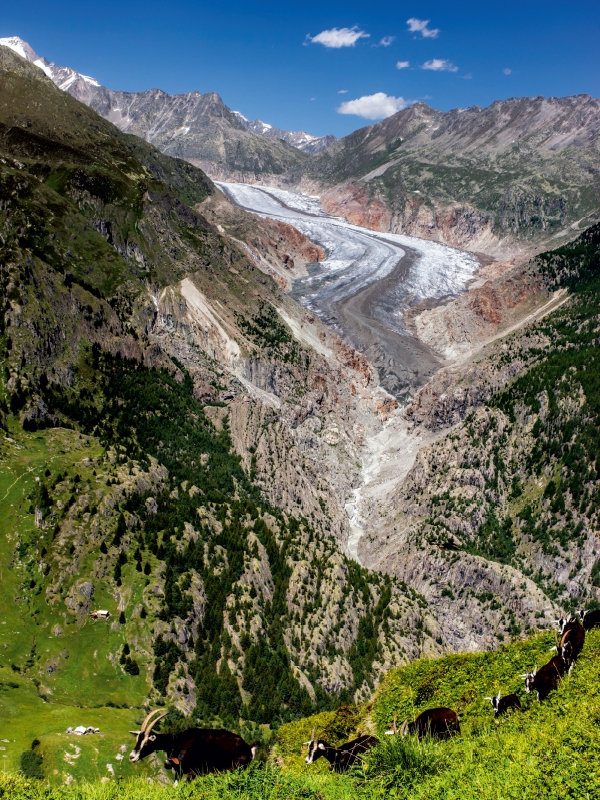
(556, 638)
(312, 735)
(154, 721)
(148, 718)
(404, 727)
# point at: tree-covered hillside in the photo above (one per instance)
(119, 486)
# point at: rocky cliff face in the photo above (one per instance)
(280, 249)
(491, 519)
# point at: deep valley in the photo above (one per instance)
(321, 443)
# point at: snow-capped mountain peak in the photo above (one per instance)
(63, 77)
(300, 139)
(173, 123)
(22, 48)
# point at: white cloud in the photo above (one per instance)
(373, 106)
(440, 65)
(386, 41)
(402, 64)
(507, 71)
(467, 77)
(343, 91)
(420, 26)
(339, 37)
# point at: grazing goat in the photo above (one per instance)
(590, 619)
(340, 758)
(439, 722)
(572, 639)
(546, 679)
(503, 704)
(197, 751)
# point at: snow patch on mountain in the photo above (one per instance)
(301, 139)
(19, 46)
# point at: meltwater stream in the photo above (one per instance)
(366, 282)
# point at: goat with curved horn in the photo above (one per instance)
(394, 730)
(148, 718)
(195, 751)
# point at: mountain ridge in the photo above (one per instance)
(195, 126)
(306, 142)
(505, 180)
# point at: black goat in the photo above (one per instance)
(546, 679)
(503, 704)
(197, 751)
(590, 619)
(438, 722)
(340, 758)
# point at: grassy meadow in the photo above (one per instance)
(549, 750)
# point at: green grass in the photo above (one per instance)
(44, 704)
(547, 750)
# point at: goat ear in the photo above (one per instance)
(135, 733)
(152, 738)
(321, 746)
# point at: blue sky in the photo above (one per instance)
(258, 57)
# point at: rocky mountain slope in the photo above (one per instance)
(151, 392)
(197, 127)
(180, 440)
(306, 142)
(504, 180)
(507, 490)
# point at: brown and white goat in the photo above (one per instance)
(545, 680)
(572, 639)
(590, 619)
